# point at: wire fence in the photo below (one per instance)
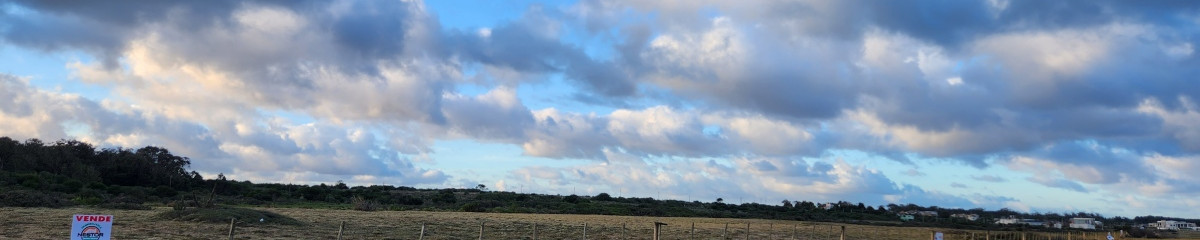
(502, 229)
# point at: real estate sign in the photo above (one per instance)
(91, 227)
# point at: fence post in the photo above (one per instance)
(624, 231)
(724, 232)
(988, 235)
(534, 231)
(231, 228)
(747, 231)
(771, 231)
(1022, 235)
(843, 232)
(932, 235)
(794, 232)
(422, 237)
(692, 233)
(1068, 235)
(481, 230)
(584, 231)
(656, 225)
(341, 228)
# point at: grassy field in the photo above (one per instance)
(46, 223)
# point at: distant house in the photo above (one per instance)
(1008, 220)
(921, 213)
(968, 217)
(1173, 225)
(1014, 220)
(1054, 224)
(906, 217)
(1084, 223)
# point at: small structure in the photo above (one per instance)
(1011, 219)
(906, 217)
(1173, 225)
(968, 217)
(1084, 223)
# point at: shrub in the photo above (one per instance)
(123, 206)
(472, 207)
(571, 199)
(603, 197)
(26, 198)
(362, 204)
(445, 196)
(164, 191)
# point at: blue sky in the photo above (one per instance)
(1028, 105)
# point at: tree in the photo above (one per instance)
(787, 204)
(571, 199)
(481, 187)
(603, 197)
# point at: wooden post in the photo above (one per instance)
(480, 230)
(724, 234)
(231, 220)
(747, 231)
(534, 231)
(972, 235)
(692, 233)
(341, 228)
(932, 235)
(1068, 235)
(843, 233)
(987, 235)
(584, 231)
(1022, 235)
(794, 232)
(656, 225)
(422, 237)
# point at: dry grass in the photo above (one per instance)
(44, 223)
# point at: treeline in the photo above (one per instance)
(69, 172)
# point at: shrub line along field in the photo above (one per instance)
(54, 223)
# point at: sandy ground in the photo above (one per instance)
(46, 223)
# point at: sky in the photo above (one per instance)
(1035, 106)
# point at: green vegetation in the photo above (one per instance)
(67, 173)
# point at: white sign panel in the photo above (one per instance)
(91, 227)
(937, 236)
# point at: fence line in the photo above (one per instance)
(695, 230)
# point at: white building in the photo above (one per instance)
(1008, 220)
(968, 217)
(1173, 225)
(1084, 223)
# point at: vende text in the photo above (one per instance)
(86, 218)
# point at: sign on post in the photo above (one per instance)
(91, 227)
(937, 236)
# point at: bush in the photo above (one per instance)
(603, 197)
(164, 191)
(445, 196)
(571, 199)
(123, 206)
(362, 204)
(472, 207)
(26, 198)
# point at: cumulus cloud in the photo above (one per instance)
(1086, 96)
